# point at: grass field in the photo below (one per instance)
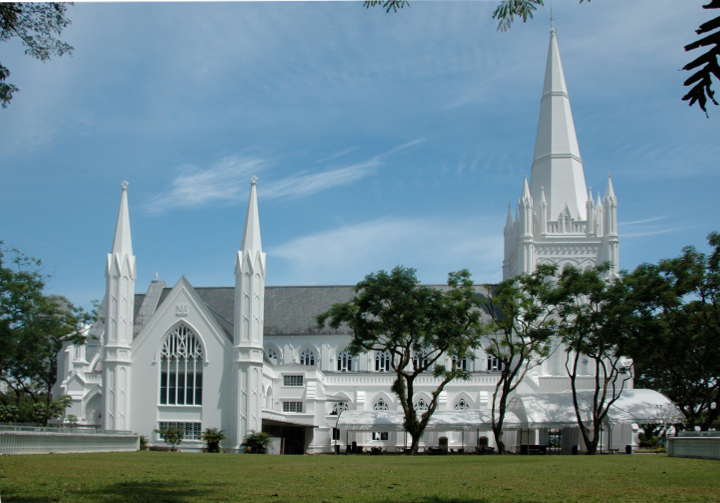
(162, 477)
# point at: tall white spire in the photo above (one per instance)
(557, 165)
(251, 239)
(122, 243)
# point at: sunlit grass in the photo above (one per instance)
(177, 477)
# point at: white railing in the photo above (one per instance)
(386, 379)
(45, 440)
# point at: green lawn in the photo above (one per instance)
(177, 478)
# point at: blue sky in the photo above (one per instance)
(377, 139)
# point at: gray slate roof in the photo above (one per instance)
(289, 310)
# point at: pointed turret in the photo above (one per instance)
(610, 193)
(118, 307)
(542, 211)
(589, 211)
(122, 243)
(557, 164)
(249, 309)
(508, 220)
(251, 238)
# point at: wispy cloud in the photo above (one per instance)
(303, 185)
(646, 227)
(434, 246)
(643, 221)
(337, 155)
(226, 179)
(222, 181)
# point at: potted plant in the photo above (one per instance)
(256, 443)
(212, 438)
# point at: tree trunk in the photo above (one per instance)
(498, 433)
(414, 444)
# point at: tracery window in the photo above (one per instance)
(420, 361)
(307, 357)
(344, 361)
(339, 407)
(462, 403)
(421, 404)
(181, 368)
(381, 404)
(382, 361)
(460, 363)
(273, 356)
(494, 364)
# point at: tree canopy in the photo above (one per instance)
(34, 327)
(38, 27)
(592, 322)
(520, 336)
(418, 327)
(676, 348)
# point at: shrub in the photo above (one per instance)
(212, 437)
(143, 443)
(256, 443)
(172, 436)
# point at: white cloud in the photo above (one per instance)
(303, 185)
(221, 182)
(434, 246)
(643, 221)
(227, 178)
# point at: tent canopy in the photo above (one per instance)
(551, 410)
(537, 410)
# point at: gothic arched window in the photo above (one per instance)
(382, 361)
(494, 364)
(381, 404)
(462, 403)
(272, 355)
(181, 367)
(421, 404)
(460, 363)
(344, 361)
(307, 357)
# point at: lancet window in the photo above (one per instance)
(344, 361)
(273, 356)
(421, 404)
(494, 364)
(181, 368)
(460, 363)
(307, 357)
(420, 361)
(339, 407)
(382, 361)
(381, 404)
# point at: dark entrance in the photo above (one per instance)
(293, 437)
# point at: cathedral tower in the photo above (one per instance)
(557, 221)
(118, 308)
(248, 328)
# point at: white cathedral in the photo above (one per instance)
(250, 357)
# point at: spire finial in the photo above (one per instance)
(552, 19)
(123, 240)
(251, 239)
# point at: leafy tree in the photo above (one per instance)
(34, 327)
(676, 349)
(522, 328)
(592, 320)
(38, 26)
(418, 326)
(172, 435)
(701, 81)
